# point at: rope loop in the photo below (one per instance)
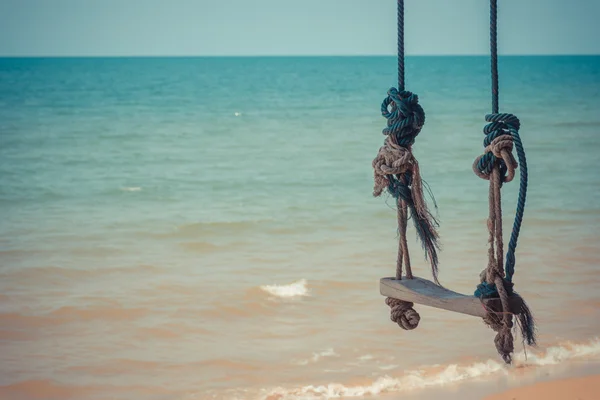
(405, 116)
(498, 144)
(403, 313)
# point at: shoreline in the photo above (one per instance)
(524, 382)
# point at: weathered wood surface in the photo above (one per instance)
(427, 293)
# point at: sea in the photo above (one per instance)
(205, 227)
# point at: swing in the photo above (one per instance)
(396, 170)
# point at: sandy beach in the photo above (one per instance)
(583, 388)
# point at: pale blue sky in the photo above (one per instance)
(292, 27)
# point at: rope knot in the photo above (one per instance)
(504, 342)
(397, 170)
(403, 313)
(405, 117)
(392, 159)
(487, 286)
(498, 144)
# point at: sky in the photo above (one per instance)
(292, 27)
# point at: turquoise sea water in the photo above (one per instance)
(206, 226)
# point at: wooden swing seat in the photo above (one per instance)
(424, 292)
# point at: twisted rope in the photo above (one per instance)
(514, 237)
(494, 53)
(403, 313)
(397, 171)
(498, 165)
(400, 45)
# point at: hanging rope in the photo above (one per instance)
(498, 165)
(400, 15)
(397, 171)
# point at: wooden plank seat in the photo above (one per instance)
(424, 292)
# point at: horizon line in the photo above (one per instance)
(295, 55)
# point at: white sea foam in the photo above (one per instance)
(316, 357)
(422, 379)
(131, 189)
(295, 289)
(411, 380)
(557, 354)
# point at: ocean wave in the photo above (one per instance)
(433, 376)
(201, 247)
(210, 229)
(295, 289)
(386, 384)
(69, 314)
(558, 354)
(316, 357)
(53, 273)
(131, 189)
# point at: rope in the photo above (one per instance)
(514, 237)
(403, 313)
(401, 45)
(498, 165)
(397, 171)
(494, 53)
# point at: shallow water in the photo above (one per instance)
(205, 227)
